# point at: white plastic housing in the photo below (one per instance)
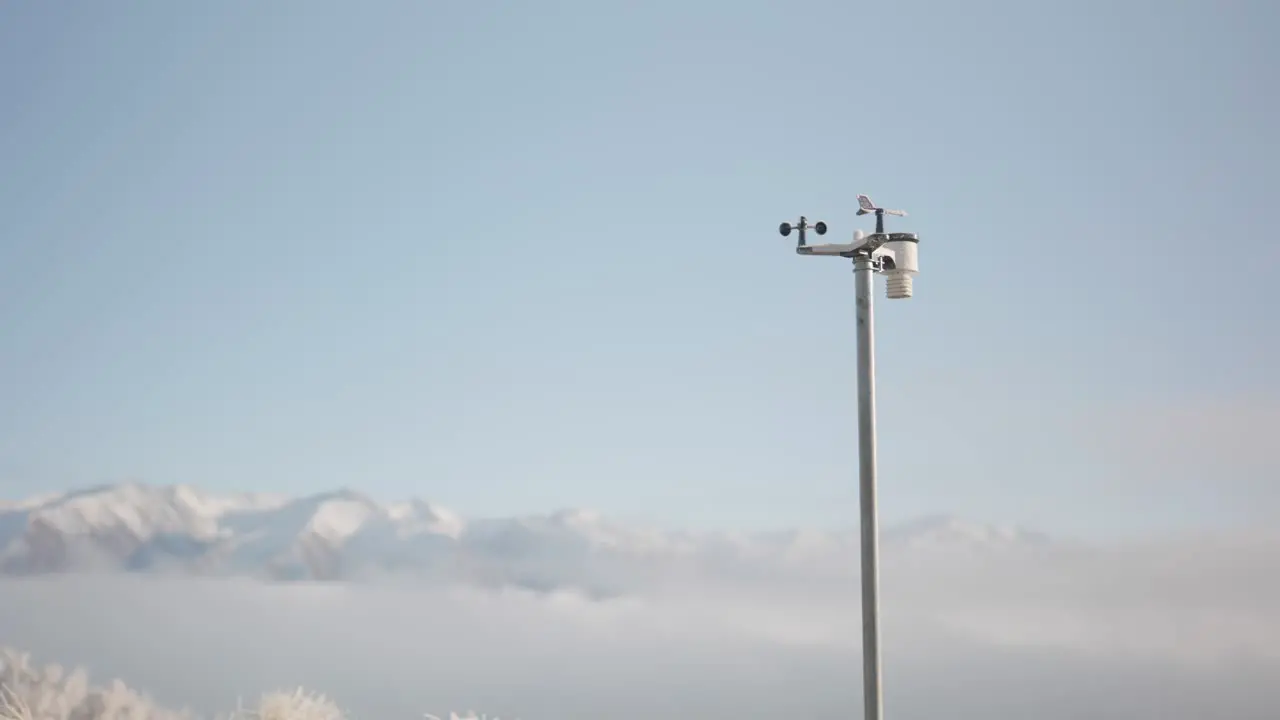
(835, 249)
(906, 263)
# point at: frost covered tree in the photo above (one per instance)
(28, 692)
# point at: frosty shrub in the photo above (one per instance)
(298, 705)
(28, 692)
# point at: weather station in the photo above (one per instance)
(893, 255)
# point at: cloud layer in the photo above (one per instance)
(1176, 629)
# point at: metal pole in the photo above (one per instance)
(873, 707)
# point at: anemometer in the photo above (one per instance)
(894, 255)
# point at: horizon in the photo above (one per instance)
(923, 522)
(7, 503)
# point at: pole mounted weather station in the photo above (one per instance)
(893, 255)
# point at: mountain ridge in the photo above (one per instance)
(345, 535)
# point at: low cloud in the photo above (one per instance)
(1177, 629)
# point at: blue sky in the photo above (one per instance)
(519, 256)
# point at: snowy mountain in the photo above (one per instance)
(344, 535)
(950, 533)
